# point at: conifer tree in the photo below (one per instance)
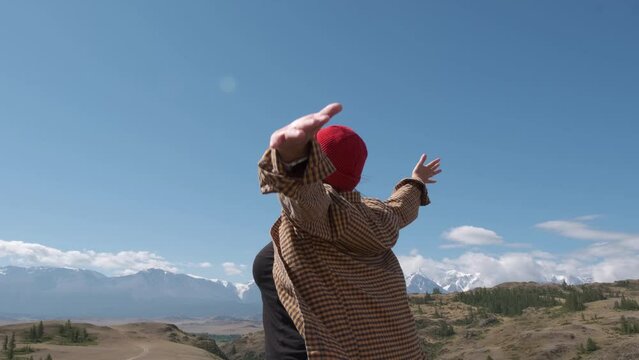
(11, 347)
(629, 326)
(33, 336)
(40, 331)
(624, 325)
(591, 345)
(5, 343)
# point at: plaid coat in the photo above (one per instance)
(334, 269)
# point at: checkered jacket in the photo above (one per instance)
(334, 269)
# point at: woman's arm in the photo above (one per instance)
(402, 207)
(301, 192)
(410, 194)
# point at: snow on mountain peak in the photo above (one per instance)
(418, 283)
(241, 289)
(458, 281)
(569, 279)
(217, 281)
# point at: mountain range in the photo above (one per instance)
(47, 292)
(62, 292)
(456, 281)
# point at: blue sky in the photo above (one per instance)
(130, 131)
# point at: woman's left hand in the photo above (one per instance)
(424, 173)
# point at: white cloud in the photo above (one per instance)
(230, 268)
(612, 255)
(123, 262)
(609, 256)
(578, 230)
(472, 235)
(617, 268)
(493, 270)
(415, 262)
(20, 253)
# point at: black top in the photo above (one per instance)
(283, 341)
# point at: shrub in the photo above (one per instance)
(629, 326)
(626, 304)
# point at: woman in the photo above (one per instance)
(333, 269)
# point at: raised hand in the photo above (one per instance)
(291, 141)
(424, 173)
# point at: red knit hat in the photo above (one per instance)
(347, 151)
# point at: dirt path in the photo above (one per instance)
(144, 353)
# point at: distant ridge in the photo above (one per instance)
(456, 281)
(63, 292)
(50, 292)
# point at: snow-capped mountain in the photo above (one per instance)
(454, 281)
(249, 293)
(449, 281)
(417, 283)
(61, 292)
(570, 279)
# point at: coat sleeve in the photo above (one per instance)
(404, 203)
(376, 230)
(304, 199)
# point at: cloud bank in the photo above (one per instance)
(124, 262)
(606, 256)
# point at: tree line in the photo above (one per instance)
(67, 333)
(10, 350)
(512, 301)
(509, 301)
(576, 298)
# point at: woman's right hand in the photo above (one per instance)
(291, 141)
